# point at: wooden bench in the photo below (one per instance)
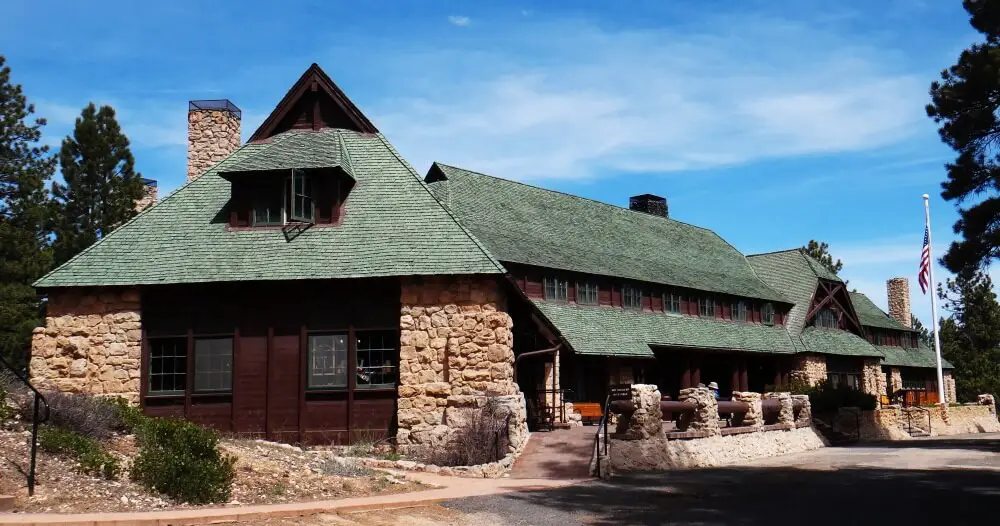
(589, 411)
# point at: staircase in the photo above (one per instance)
(833, 436)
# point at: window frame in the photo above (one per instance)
(819, 318)
(393, 352)
(635, 294)
(302, 194)
(182, 340)
(672, 302)
(739, 310)
(591, 288)
(310, 362)
(767, 314)
(558, 285)
(706, 306)
(195, 389)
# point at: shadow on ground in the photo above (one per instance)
(988, 445)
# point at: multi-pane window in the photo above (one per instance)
(878, 337)
(672, 302)
(706, 306)
(327, 361)
(302, 197)
(739, 310)
(376, 358)
(267, 199)
(213, 364)
(167, 365)
(556, 289)
(826, 318)
(586, 293)
(631, 297)
(767, 314)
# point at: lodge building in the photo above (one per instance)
(310, 286)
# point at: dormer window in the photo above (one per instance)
(767, 314)
(739, 310)
(281, 197)
(826, 318)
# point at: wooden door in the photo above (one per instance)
(283, 377)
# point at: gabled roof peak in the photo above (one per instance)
(313, 102)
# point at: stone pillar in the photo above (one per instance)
(754, 417)
(872, 379)
(91, 342)
(786, 413)
(809, 368)
(148, 197)
(987, 399)
(646, 421)
(213, 134)
(899, 300)
(455, 350)
(805, 413)
(706, 413)
(949, 387)
(895, 380)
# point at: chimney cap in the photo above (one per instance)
(149, 182)
(215, 105)
(647, 197)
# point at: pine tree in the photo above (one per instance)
(971, 335)
(101, 184)
(25, 166)
(965, 105)
(820, 251)
(924, 334)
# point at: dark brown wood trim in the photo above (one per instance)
(303, 350)
(234, 371)
(267, 382)
(189, 375)
(352, 381)
(143, 369)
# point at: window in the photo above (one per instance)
(672, 302)
(556, 289)
(586, 293)
(739, 310)
(631, 297)
(213, 365)
(826, 318)
(167, 365)
(879, 337)
(327, 361)
(267, 199)
(767, 314)
(376, 358)
(302, 197)
(706, 306)
(849, 380)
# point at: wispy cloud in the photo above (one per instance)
(576, 100)
(458, 20)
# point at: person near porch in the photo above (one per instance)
(715, 389)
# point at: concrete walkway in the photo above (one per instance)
(562, 454)
(447, 488)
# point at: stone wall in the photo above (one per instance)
(455, 350)
(786, 412)
(804, 418)
(755, 416)
(899, 300)
(809, 368)
(880, 424)
(705, 417)
(212, 136)
(91, 342)
(872, 379)
(646, 421)
(895, 379)
(949, 387)
(962, 419)
(148, 196)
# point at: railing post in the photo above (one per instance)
(34, 448)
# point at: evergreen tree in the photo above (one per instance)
(101, 184)
(820, 251)
(965, 105)
(971, 335)
(25, 166)
(925, 335)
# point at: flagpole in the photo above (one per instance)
(934, 309)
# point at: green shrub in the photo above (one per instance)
(128, 418)
(182, 460)
(87, 451)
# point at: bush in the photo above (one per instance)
(182, 460)
(90, 416)
(128, 418)
(483, 439)
(827, 399)
(87, 451)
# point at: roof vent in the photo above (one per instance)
(649, 203)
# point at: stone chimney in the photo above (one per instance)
(149, 197)
(899, 300)
(213, 134)
(649, 204)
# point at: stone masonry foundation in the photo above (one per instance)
(809, 368)
(90, 343)
(456, 349)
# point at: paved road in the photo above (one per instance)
(955, 480)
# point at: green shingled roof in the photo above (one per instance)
(610, 331)
(295, 150)
(392, 226)
(795, 275)
(834, 341)
(920, 357)
(529, 225)
(872, 316)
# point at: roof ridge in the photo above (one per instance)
(773, 252)
(137, 216)
(567, 194)
(451, 215)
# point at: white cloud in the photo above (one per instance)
(460, 21)
(147, 124)
(572, 100)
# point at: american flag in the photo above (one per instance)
(924, 277)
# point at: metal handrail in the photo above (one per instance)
(602, 424)
(35, 420)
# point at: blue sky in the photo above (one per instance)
(771, 122)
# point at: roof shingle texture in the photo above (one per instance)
(392, 226)
(872, 316)
(795, 275)
(612, 331)
(529, 225)
(920, 357)
(835, 341)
